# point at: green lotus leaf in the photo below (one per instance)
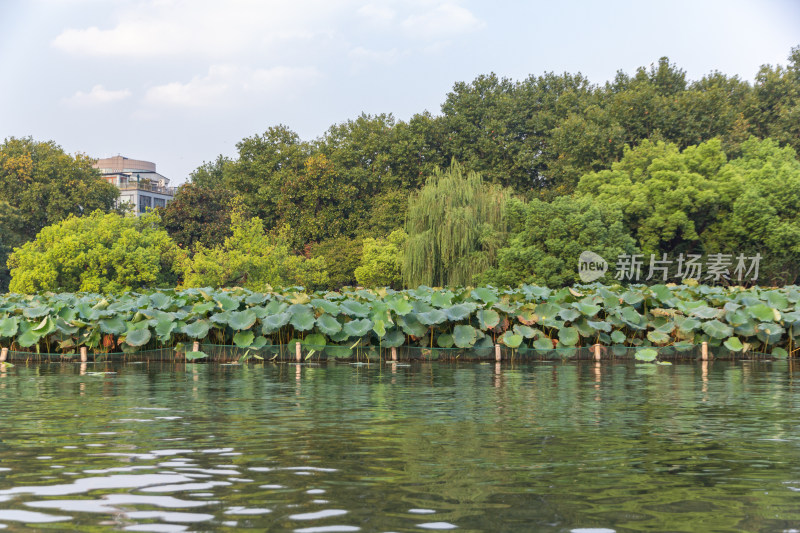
(484, 294)
(444, 340)
(705, 312)
(761, 312)
(526, 331)
(487, 318)
(138, 337)
(112, 326)
(9, 327)
(432, 317)
(568, 336)
(192, 356)
(411, 326)
(354, 309)
(733, 344)
(442, 299)
(464, 336)
(160, 300)
(511, 339)
(393, 339)
(328, 325)
(600, 325)
(45, 327)
(28, 338)
(227, 303)
(737, 317)
(197, 329)
(543, 343)
(618, 337)
(358, 327)
(547, 311)
(630, 316)
(777, 299)
(400, 306)
(569, 314)
(717, 330)
(259, 342)
(662, 292)
(36, 311)
(658, 337)
(779, 353)
(683, 346)
(379, 327)
(325, 305)
(769, 332)
(459, 311)
(587, 310)
(243, 339)
(241, 320)
(272, 323)
(302, 318)
(256, 299)
(339, 351)
(646, 354)
(202, 308)
(315, 341)
(632, 297)
(688, 325)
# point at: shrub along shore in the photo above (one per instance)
(342, 324)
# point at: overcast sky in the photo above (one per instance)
(178, 82)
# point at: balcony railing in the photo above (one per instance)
(145, 185)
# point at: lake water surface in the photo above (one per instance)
(418, 447)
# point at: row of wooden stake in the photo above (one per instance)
(596, 349)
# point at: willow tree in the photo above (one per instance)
(455, 226)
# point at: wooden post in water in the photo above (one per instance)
(84, 354)
(3, 355)
(394, 354)
(704, 351)
(596, 349)
(298, 352)
(196, 346)
(497, 354)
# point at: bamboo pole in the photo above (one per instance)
(3, 355)
(596, 349)
(704, 351)
(298, 352)
(196, 346)
(497, 355)
(84, 354)
(394, 354)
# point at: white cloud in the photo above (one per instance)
(443, 21)
(226, 85)
(163, 28)
(97, 96)
(361, 55)
(375, 13)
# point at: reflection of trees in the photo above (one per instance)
(635, 446)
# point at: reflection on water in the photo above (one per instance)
(419, 447)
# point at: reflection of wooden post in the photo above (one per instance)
(196, 346)
(298, 352)
(704, 351)
(3, 355)
(394, 354)
(497, 352)
(596, 349)
(84, 354)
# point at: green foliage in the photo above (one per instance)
(551, 236)
(455, 226)
(251, 258)
(342, 257)
(198, 215)
(382, 261)
(531, 317)
(97, 253)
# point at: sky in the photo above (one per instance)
(178, 82)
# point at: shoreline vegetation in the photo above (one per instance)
(355, 323)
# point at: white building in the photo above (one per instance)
(139, 183)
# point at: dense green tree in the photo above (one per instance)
(455, 226)
(254, 259)
(382, 261)
(100, 252)
(775, 110)
(211, 174)
(342, 255)
(198, 215)
(548, 237)
(46, 185)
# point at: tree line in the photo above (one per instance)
(521, 173)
